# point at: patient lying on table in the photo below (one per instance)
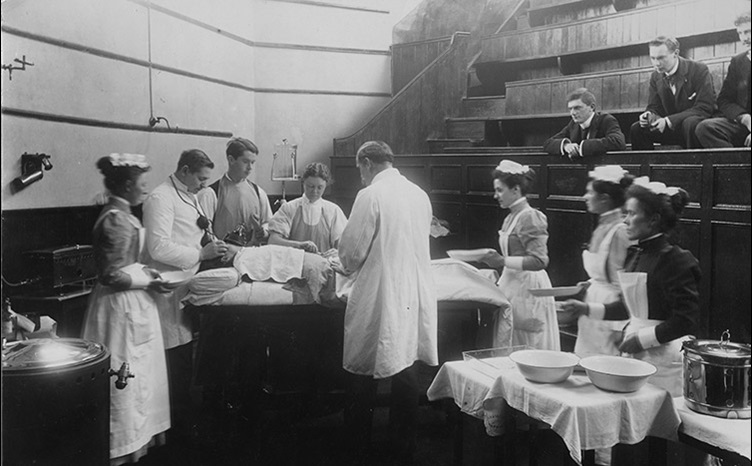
(309, 276)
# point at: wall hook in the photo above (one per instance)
(12, 67)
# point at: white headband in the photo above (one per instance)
(656, 186)
(514, 168)
(128, 160)
(609, 173)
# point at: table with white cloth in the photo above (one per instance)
(724, 438)
(585, 417)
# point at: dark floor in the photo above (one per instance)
(289, 431)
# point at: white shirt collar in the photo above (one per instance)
(611, 212)
(179, 184)
(586, 125)
(673, 70)
(518, 201)
(308, 202)
(227, 175)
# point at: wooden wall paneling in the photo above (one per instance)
(610, 92)
(648, 26)
(615, 31)
(729, 280)
(446, 178)
(644, 88)
(686, 176)
(559, 94)
(595, 85)
(541, 98)
(479, 179)
(483, 223)
(384, 124)
(568, 231)
(731, 187)
(726, 49)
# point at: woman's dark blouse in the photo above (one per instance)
(672, 282)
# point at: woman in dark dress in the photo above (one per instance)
(659, 284)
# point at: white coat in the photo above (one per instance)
(391, 319)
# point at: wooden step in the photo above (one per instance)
(468, 127)
(440, 145)
(485, 107)
(501, 150)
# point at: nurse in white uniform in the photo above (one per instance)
(659, 284)
(604, 258)
(523, 242)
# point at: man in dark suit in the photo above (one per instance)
(589, 132)
(681, 96)
(733, 128)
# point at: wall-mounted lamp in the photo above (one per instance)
(31, 169)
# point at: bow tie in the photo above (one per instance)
(670, 80)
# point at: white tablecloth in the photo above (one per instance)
(728, 434)
(585, 417)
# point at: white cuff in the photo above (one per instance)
(563, 142)
(514, 262)
(647, 337)
(596, 311)
(668, 123)
(139, 278)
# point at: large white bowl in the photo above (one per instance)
(545, 366)
(617, 374)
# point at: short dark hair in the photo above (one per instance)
(743, 18)
(582, 94)
(376, 152)
(668, 207)
(524, 180)
(671, 43)
(115, 177)
(195, 160)
(318, 170)
(236, 147)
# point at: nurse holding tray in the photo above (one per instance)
(523, 242)
(659, 284)
(604, 258)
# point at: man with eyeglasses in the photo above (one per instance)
(178, 237)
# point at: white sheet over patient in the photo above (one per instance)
(278, 263)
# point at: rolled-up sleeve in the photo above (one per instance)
(159, 217)
(281, 222)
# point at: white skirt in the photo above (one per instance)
(524, 306)
(127, 323)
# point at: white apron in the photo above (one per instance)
(666, 357)
(599, 336)
(127, 322)
(318, 233)
(524, 306)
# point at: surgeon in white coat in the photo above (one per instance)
(391, 319)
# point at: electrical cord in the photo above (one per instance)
(28, 281)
